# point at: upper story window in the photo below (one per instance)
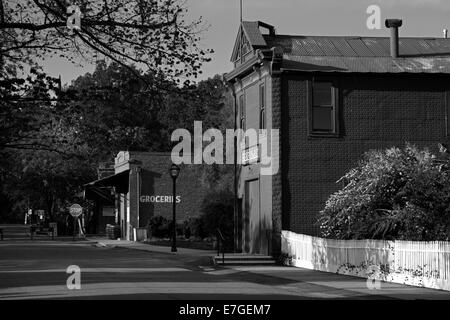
(245, 45)
(242, 111)
(262, 107)
(323, 108)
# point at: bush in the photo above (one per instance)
(401, 194)
(195, 227)
(218, 213)
(159, 227)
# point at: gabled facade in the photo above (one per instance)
(332, 98)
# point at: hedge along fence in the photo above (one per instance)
(424, 264)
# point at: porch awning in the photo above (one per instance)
(118, 181)
(101, 194)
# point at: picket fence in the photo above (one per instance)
(424, 264)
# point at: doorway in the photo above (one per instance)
(255, 238)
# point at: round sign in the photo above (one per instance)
(75, 210)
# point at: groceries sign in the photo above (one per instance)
(158, 199)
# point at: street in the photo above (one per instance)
(37, 270)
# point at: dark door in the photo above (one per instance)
(255, 241)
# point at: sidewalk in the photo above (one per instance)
(151, 248)
(307, 283)
(333, 286)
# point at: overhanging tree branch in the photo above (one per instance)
(108, 23)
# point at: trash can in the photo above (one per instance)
(112, 231)
(140, 234)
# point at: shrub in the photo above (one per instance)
(397, 193)
(196, 228)
(159, 227)
(217, 213)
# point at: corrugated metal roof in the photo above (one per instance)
(367, 64)
(350, 54)
(362, 54)
(343, 47)
(328, 47)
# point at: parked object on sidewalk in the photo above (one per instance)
(140, 234)
(112, 231)
(40, 230)
(54, 227)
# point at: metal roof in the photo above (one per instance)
(367, 64)
(357, 46)
(362, 54)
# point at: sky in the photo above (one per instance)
(421, 18)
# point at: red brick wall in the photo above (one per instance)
(376, 112)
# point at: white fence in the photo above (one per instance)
(425, 264)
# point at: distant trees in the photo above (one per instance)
(91, 120)
(401, 194)
(114, 111)
(51, 139)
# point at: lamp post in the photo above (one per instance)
(174, 172)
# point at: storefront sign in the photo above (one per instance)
(250, 155)
(158, 199)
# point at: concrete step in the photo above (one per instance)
(242, 259)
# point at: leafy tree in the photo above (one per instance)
(152, 33)
(25, 109)
(206, 101)
(113, 111)
(218, 213)
(90, 121)
(51, 139)
(44, 180)
(397, 193)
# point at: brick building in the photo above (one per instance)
(333, 98)
(140, 187)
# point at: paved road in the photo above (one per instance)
(37, 270)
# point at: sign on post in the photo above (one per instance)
(75, 210)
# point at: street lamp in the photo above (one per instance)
(174, 172)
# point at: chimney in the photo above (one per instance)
(394, 24)
(445, 33)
